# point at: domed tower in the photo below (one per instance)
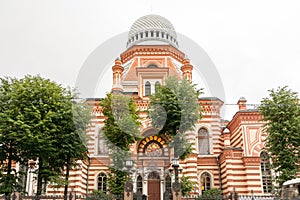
(152, 29)
(152, 54)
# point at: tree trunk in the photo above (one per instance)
(40, 178)
(9, 164)
(67, 178)
(25, 178)
(176, 143)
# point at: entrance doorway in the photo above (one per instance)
(153, 186)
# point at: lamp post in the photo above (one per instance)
(128, 184)
(175, 165)
(88, 173)
(129, 164)
(176, 185)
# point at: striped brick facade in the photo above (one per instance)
(233, 156)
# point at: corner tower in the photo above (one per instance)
(152, 54)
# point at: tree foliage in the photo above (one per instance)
(173, 110)
(121, 129)
(73, 140)
(213, 193)
(99, 194)
(281, 112)
(11, 140)
(187, 185)
(118, 175)
(37, 123)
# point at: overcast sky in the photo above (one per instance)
(255, 44)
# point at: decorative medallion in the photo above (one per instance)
(153, 149)
(152, 146)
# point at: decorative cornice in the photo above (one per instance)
(97, 110)
(187, 67)
(244, 117)
(142, 104)
(210, 105)
(207, 161)
(151, 50)
(117, 68)
(147, 70)
(251, 160)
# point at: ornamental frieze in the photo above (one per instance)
(251, 160)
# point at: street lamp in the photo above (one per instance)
(176, 186)
(129, 184)
(129, 164)
(175, 165)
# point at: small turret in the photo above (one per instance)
(226, 135)
(187, 69)
(117, 76)
(242, 103)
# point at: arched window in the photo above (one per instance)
(153, 176)
(102, 182)
(157, 83)
(265, 172)
(152, 66)
(147, 88)
(102, 148)
(205, 182)
(203, 141)
(139, 184)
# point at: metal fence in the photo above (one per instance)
(233, 197)
(72, 196)
(16, 196)
(257, 197)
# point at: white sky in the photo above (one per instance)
(254, 44)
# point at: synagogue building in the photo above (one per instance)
(226, 154)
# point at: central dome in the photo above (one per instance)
(152, 28)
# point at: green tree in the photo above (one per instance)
(281, 112)
(37, 123)
(187, 185)
(118, 175)
(121, 129)
(72, 143)
(173, 110)
(11, 138)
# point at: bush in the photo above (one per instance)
(186, 185)
(99, 194)
(213, 193)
